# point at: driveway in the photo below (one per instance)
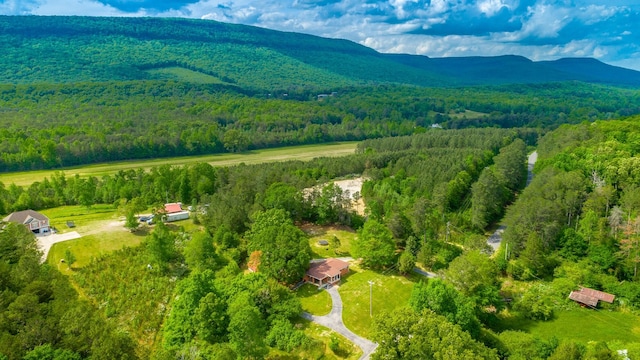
(46, 241)
(334, 322)
(496, 238)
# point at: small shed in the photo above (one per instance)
(591, 297)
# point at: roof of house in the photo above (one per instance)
(600, 295)
(590, 296)
(584, 299)
(25, 217)
(326, 268)
(173, 207)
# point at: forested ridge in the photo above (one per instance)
(76, 49)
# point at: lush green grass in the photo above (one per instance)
(182, 74)
(582, 325)
(317, 232)
(102, 230)
(314, 301)
(84, 218)
(306, 152)
(389, 292)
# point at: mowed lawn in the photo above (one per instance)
(304, 153)
(582, 325)
(314, 301)
(316, 233)
(389, 292)
(101, 229)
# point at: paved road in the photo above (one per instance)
(496, 238)
(46, 241)
(425, 273)
(334, 322)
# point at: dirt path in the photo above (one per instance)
(334, 322)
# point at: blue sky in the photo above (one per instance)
(608, 30)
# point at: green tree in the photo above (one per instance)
(69, 258)
(247, 328)
(444, 300)
(200, 254)
(161, 244)
(406, 334)
(285, 248)
(374, 245)
(407, 262)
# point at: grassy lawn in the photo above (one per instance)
(102, 231)
(182, 74)
(314, 301)
(305, 152)
(582, 325)
(84, 218)
(90, 246)
(316, 233)
(389, 292)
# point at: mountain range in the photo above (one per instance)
(87, 49)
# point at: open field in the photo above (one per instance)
(102, 231)
(305, 152)
(314, 301)
(582, 325)
(345, 236)
(389, 291)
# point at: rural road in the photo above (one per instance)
(496, 238)
(334, 322)
(46, 242)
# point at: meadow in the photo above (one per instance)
(303, 153)
(388, 291)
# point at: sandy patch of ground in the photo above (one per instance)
(352, 188)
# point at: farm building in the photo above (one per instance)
(326, 272)
(591, 297)
(33, 220)
(174, 212)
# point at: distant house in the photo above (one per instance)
(33, 220)
(326, 272)
(174, 212)
(591, 297)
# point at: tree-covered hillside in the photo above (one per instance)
(74, 49)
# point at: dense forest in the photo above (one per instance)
(429, 198)
(53, 126)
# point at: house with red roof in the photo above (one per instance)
(591, 297)
(326, 272)
(174, 212)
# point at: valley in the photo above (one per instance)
(283, 150)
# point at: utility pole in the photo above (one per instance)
(370, 298)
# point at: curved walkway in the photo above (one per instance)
(334, 322)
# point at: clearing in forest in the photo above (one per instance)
(303, 153)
